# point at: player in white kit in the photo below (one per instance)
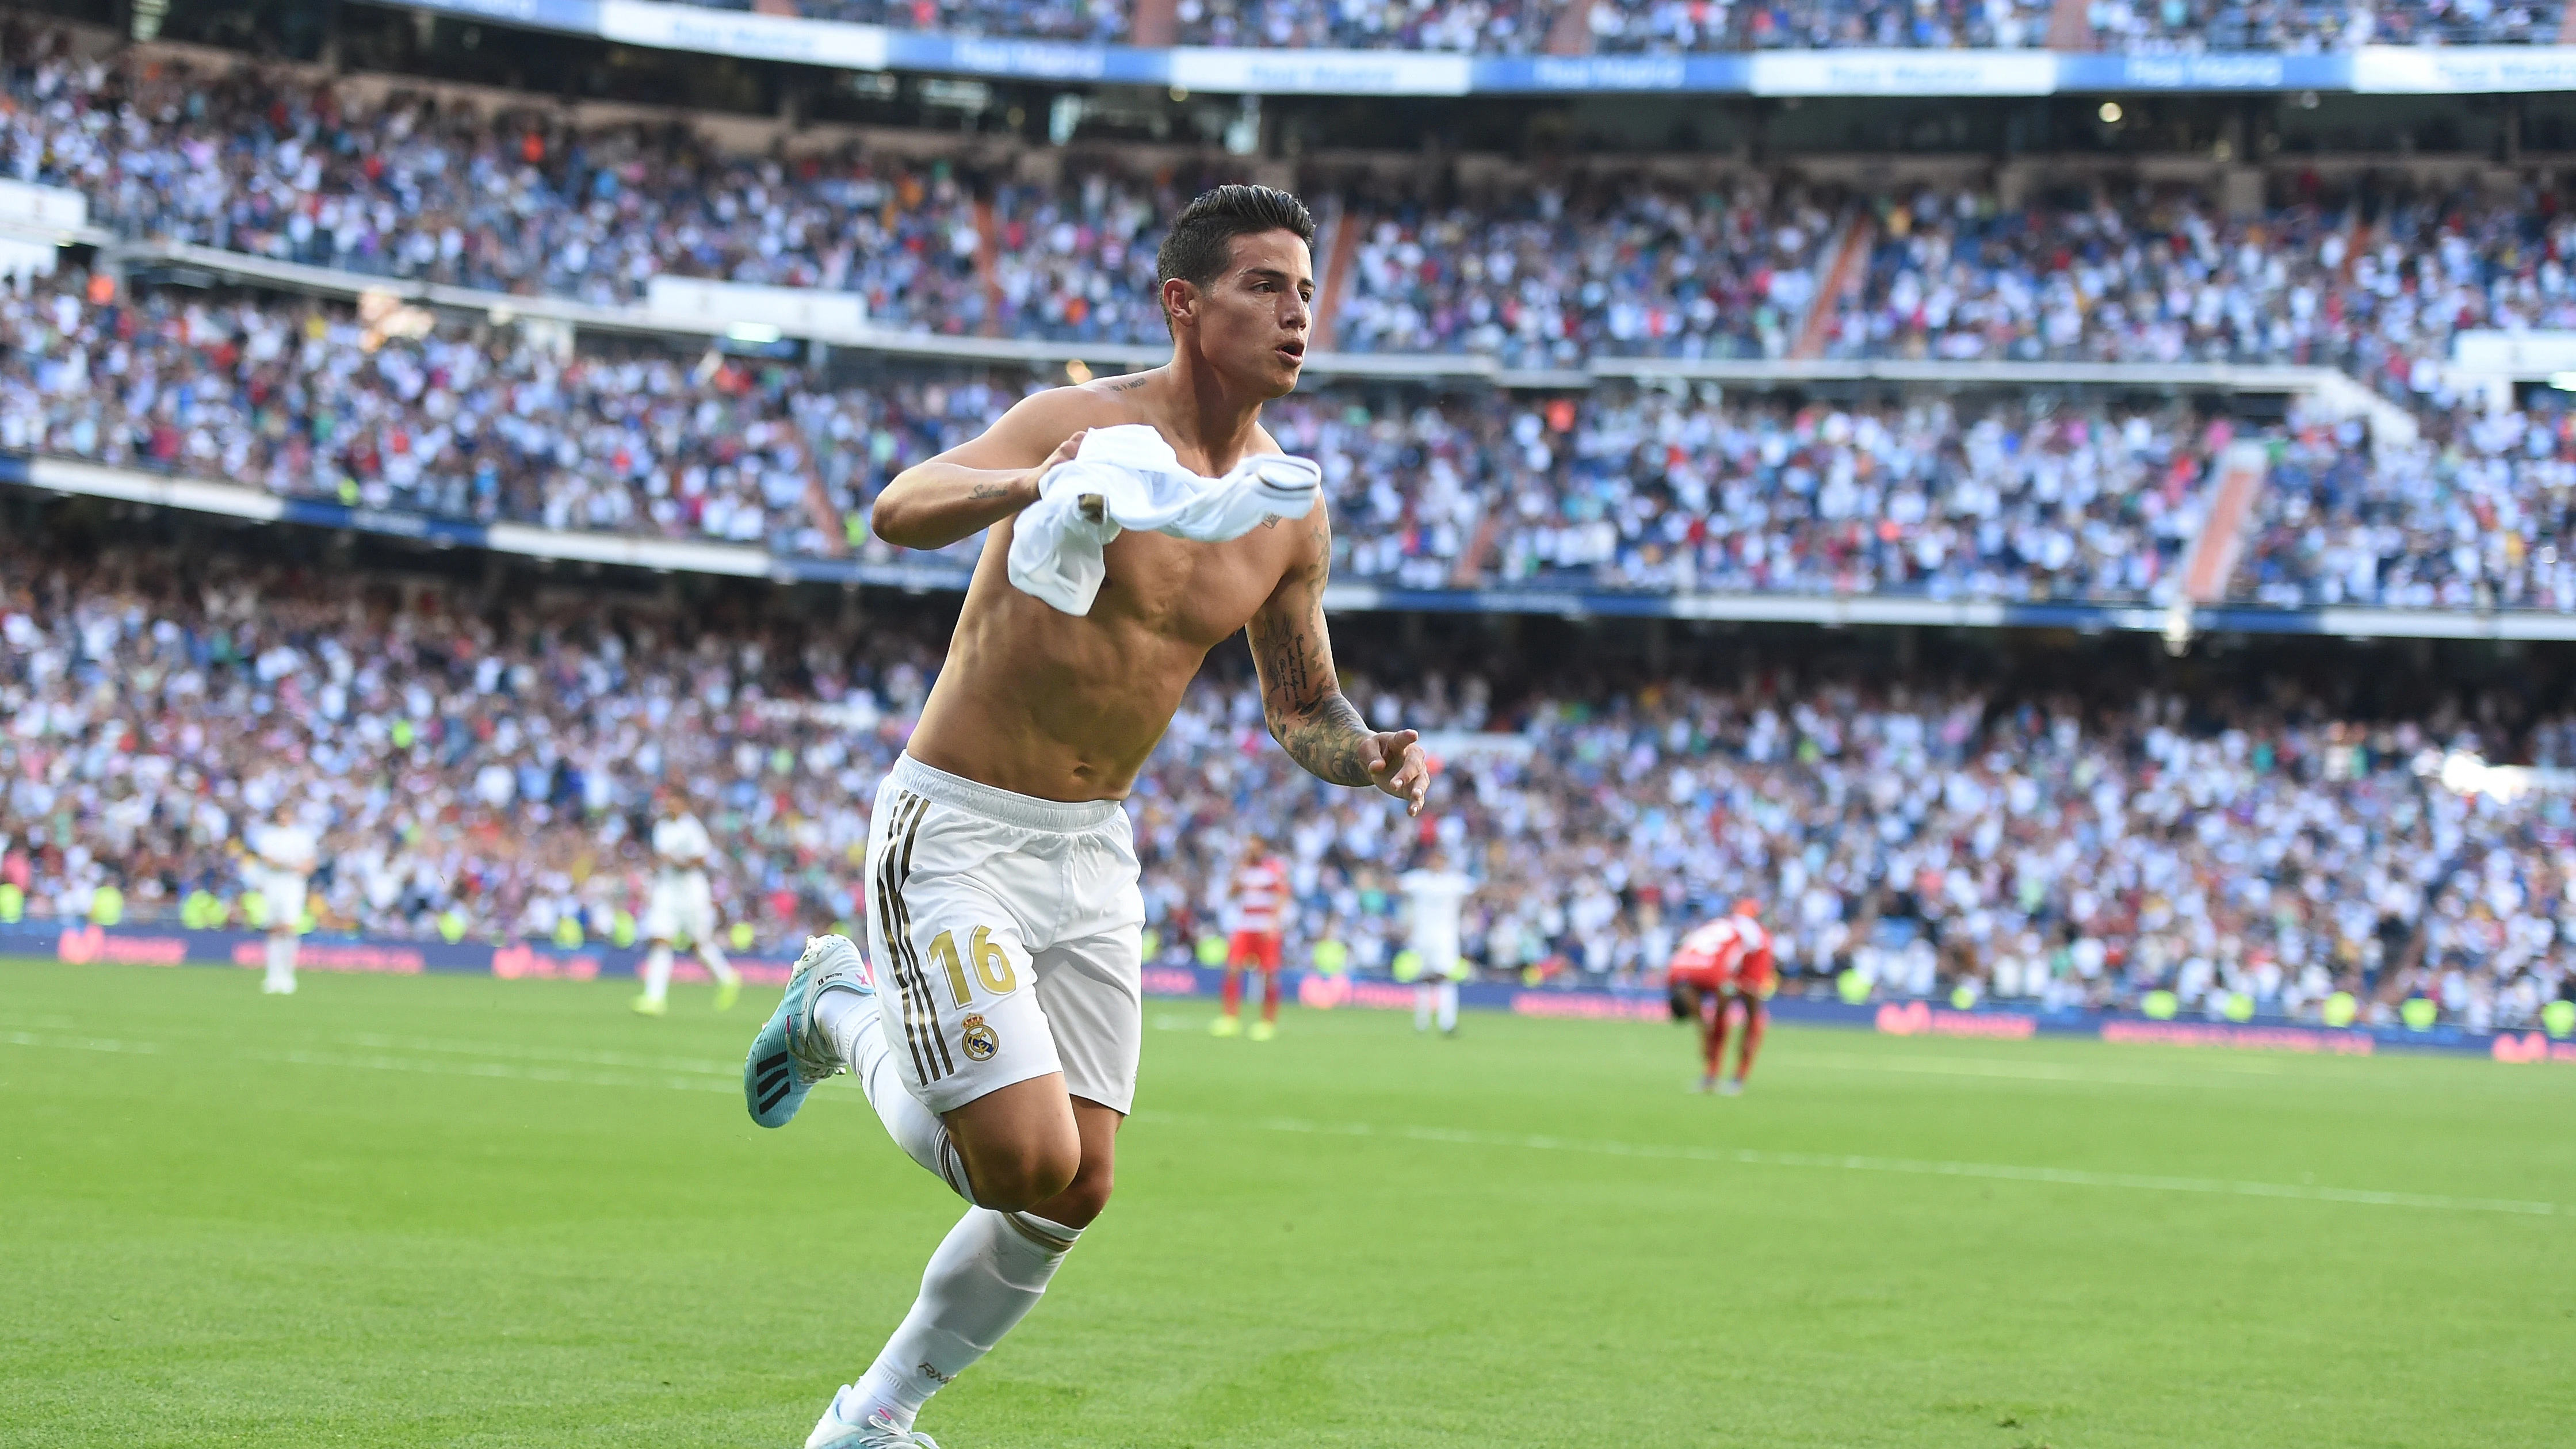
(284, 853)
(997, 1022)
(1434, 894)
(682, 908)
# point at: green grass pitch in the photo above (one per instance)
(466, 1212)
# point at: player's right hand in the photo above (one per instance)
(1064, 453)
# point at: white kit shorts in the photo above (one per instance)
(682, 908)
(286, 900)
(1006, 935)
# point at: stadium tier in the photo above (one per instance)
(478, 757)
(1543, 268)
(1620, 488)
(1712, 26)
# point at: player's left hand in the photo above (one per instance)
(1397, 765)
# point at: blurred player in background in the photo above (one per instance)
(682, 907)
(1724, 965)
(284, 853)
(1436, 894)
(1257, 899)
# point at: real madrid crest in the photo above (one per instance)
(981, 1042)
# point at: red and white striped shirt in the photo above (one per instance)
(1260, 895)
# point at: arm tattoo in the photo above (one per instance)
(983, 491)
(1302, 701)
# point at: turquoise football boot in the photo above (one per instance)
(793, 1054)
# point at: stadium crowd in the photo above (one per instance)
(1537, 273)
(524, 202)
(1615, 487)
(2309, 27)
(2295, 27)
(481, 763)
(1538, 278)
(2374, 284)
(1671, 26)
(2478, 514)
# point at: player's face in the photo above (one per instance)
(1253, 319)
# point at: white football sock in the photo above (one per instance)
(850, 1019)
(657, 972)
(717, 966)
(281, 960)
(1422, 1007)
(1448, 1006)
(988, 1273)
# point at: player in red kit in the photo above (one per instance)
(1257, 899)
(1718, 967)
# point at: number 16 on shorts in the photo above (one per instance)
(993, 971)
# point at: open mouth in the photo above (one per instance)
(1293, 351)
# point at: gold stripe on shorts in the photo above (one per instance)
(912, 957)
(892, 929)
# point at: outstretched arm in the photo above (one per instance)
(1301, 697)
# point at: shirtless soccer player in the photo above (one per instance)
(1005, 918)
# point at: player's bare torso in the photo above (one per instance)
(1061, 707)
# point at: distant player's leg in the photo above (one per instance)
(1755, 1014)
(1229, 1017)
(1449, 1005)
(1268, 1026)
(1266, 959)
(728, 981)
(1713, 1042)
(655, 998)
(285, 912)
(1426, 995)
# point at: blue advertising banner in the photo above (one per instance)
(2249, 71)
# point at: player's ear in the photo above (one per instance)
(1180, 302)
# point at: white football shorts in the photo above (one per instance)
(286, 896)
(1006, 935)
(681, 908)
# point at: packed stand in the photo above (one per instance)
(1098, 21)
(522, 202)
(1666, 26)
(1538, 276)
(1615, 488)
(2375, 286)
(2478, 514)
(312, 399)
(483, 769)
(1493, 27)
(2312, 27)
(1624, 266)
(1642, 489)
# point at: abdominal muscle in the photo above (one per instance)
(1060, 707)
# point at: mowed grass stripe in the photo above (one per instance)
(507, 1063)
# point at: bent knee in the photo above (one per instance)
(1016, 1180)
(1082, 1199)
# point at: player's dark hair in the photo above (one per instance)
(1201, 240)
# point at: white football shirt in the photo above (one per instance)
(681, 842)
